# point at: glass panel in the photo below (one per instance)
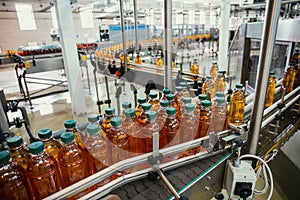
(25, 16)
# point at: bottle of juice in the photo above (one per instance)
(132, 129)
(271, 90)
(138, 59)
(184, 100)
(237, 105)
(187, 130)
(168, 133)
(71, 161)
(170, 98)
(97, 147)
(289, 78)
(139, 108)
(162, 113)
(178, 96)
(185, 91)
(150, 127)
(165, 91)
(214, 100)
(52, 146)
(194, 68)
(70, 126)
(13, 184)
(219, 115)
(204, 119)
(220, 82)
(214, 69)
(201, 97)
(42, 172)
(154, 101)
(125, 106)
(142, 118)
(119, 139)
(159, 63)
(105, 126)
(208, 88)
(18, 153)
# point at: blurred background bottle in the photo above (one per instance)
(220, 82)
(289, 78)
(208, 88)
(214, 69)
(185, 91)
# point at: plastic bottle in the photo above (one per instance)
(132, 129)
(271, 90)
(170, 98)
(162, 114)
(237, 106)
(125, 106)
(70, 126)
(42, 172)
(204, 119)
(159, 63)
(208, 88)
(194, 68)
(178, 96)
(138, 59)
(97, 147)
(220, 82)
(220, 115)
(105, 126)
(214, 69)
(51, 145)
(142, 118)
(184, 100)
(18, 153)
(167, 135)
(185, 92)
(13, 184)
(71, 161)
(165, 91)
(214, 100)
(187, 130)
(154, 101)
(201, 97)
(139, 108)
(119, 139)
(150, 127)
(289, 78)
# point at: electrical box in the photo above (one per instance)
(240, 180)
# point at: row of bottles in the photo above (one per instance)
(195, 69)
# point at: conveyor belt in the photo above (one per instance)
(146, 189)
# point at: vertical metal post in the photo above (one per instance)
(168, 43)
(224, 34)
(123, 34)
(136, 25)
(3, 122)
(264, 64)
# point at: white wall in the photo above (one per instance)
(12, 37)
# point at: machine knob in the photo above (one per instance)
(243, 190)
(219, 196)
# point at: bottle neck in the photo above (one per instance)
(18, 148)
(151, 121)
(115, 128)
(171, 116)
(189, 112)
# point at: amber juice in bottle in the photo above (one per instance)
(289, 78)
(208, 88)
(138, 59)
(13, 184)
(106, 126)
(165, 91)
(178, 95)
(194, 68)
(139, 108)
(42, 172)
(132, 129)
(52, 146)
(270, 90)
(155, 105)
(204, 119)
(71, 161)
(220, 82)
(214, 69)
(125, 106)
(142, 118)
(201, 97)
(237, 106)
(219, 115)
(162, 114)
(18, 153)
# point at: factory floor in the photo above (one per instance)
(52, 110)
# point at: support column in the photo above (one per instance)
(123, 34)
(70, 55)
(264, 65)
(224, 35)
(168, 43)
(136, 26)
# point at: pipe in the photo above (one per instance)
(135, 25)
(123, 34)
(264, 64)
(168, 43)
(167, 183)
(260, 5)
